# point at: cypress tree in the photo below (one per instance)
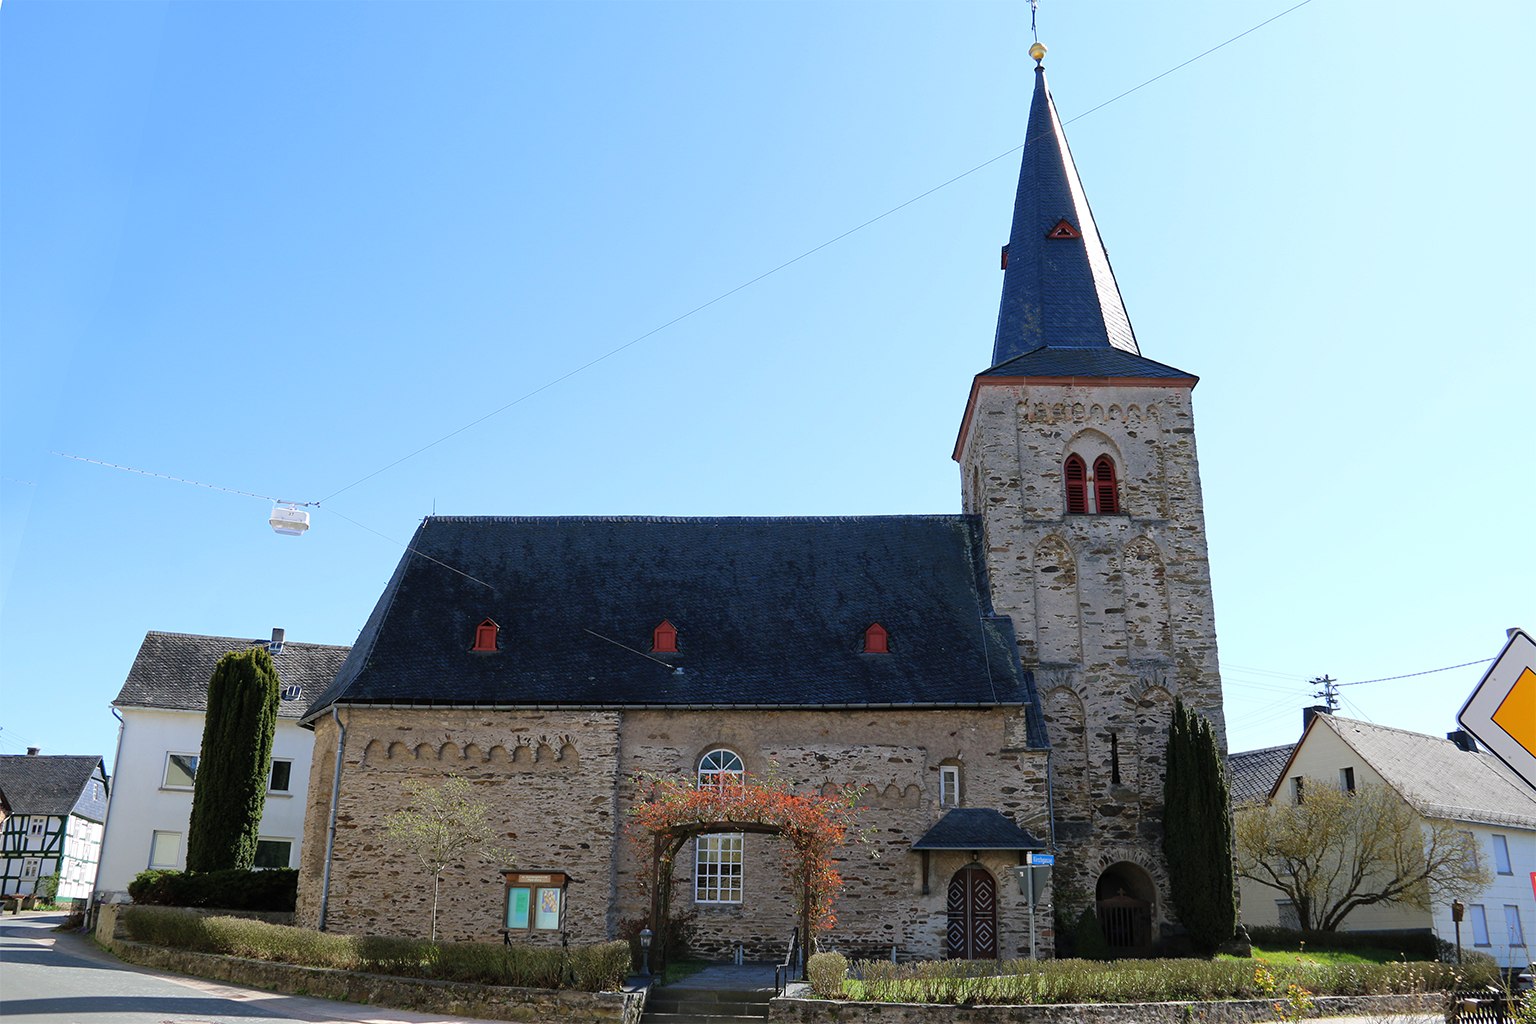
(1197, 831)
(230, 788)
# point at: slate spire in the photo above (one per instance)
(1058, 288)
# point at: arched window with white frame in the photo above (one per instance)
(717, 863)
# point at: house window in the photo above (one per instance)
(877, 640)
(1298, 790)
(485, 637)
(1501, 856)
(30, 868)
(1471, 861)
(281, 777)
(1512, 922)
(1114, 758)
(664, 638)
(949, 785)
(273, 853)
(164, 849)
(1106, 496)
(35, 827)
(717, 872)
(719, 768)
(1347, 779)
(180, 771)
(1289, 918)
(1076, 473)
(1479, 918)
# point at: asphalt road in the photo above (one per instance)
(49, 977)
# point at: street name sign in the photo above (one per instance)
(1501, 712)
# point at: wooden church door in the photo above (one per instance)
(972, 907)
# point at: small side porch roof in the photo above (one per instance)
(976, 828)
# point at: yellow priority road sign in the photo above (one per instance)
(1501, 712)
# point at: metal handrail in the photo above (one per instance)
(782, 973)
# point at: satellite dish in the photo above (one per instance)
(289, 521)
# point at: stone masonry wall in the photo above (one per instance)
(896, 756)
(1113, 612)
(550, 776)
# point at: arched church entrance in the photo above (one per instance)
(971, 933)
(1125, 896)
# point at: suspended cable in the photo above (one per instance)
(1426, 672)
(184, 480)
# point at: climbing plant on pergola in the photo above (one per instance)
(672, 811)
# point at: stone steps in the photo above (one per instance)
(706, 1006)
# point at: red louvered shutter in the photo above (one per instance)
(1077, 485)
(1106, 496)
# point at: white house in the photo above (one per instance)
(161, 709)
(57, 805)
(1446, 779)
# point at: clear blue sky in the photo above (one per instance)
(276, 246)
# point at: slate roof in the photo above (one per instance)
(1252, 774)
(1437, 777)
(1055, 291)
(976, 828)
(172, 670)
(53, 784)
(770, 612)
(1066, 361)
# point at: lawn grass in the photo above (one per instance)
(677, 970)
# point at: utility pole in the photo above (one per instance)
(1329, 692)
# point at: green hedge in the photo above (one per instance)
(596, 968)
(1419, 945)
(1139, 981)
(274, 889)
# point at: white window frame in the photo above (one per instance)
(1347, 779)
(155, 839)
(1501, 856)
(288, 861)
(1298, 789)
(1479, 916)
(36, 827)
(718, 765)
(165, 774)
(1514, 925)
(31, 868)
(717, 872)
(949, 785)
(272, 772)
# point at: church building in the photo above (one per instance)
(998, 683)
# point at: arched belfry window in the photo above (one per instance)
(1106, 497)
(664, 638)
(877, 640)
(1076, 474)
(719, 768)
(485, 636)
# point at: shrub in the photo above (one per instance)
(1415, 945)
(827, 972)
(230, 788)
(1197, 832)
(235, 889)
(1080, 981)
(1088, 938)
(594, 968)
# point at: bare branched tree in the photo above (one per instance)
(1336, 852)
(443, 826)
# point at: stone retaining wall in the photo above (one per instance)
(492, 1002)
(1242, 1011)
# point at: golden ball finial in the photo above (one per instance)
(1037, 51)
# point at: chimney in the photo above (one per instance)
(34, 751)
(1307, 714)
(1463, 740)
(276, 646)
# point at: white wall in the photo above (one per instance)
(141, 804)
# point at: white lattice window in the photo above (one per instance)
(717, 869)
(720, 767)
(949, 785)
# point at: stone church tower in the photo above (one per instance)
(1078, 455)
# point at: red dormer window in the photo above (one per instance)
(1076, 473)
(664, 638)
(1106, 497)
(1063, 230)
(485, 636)
(877, 640)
